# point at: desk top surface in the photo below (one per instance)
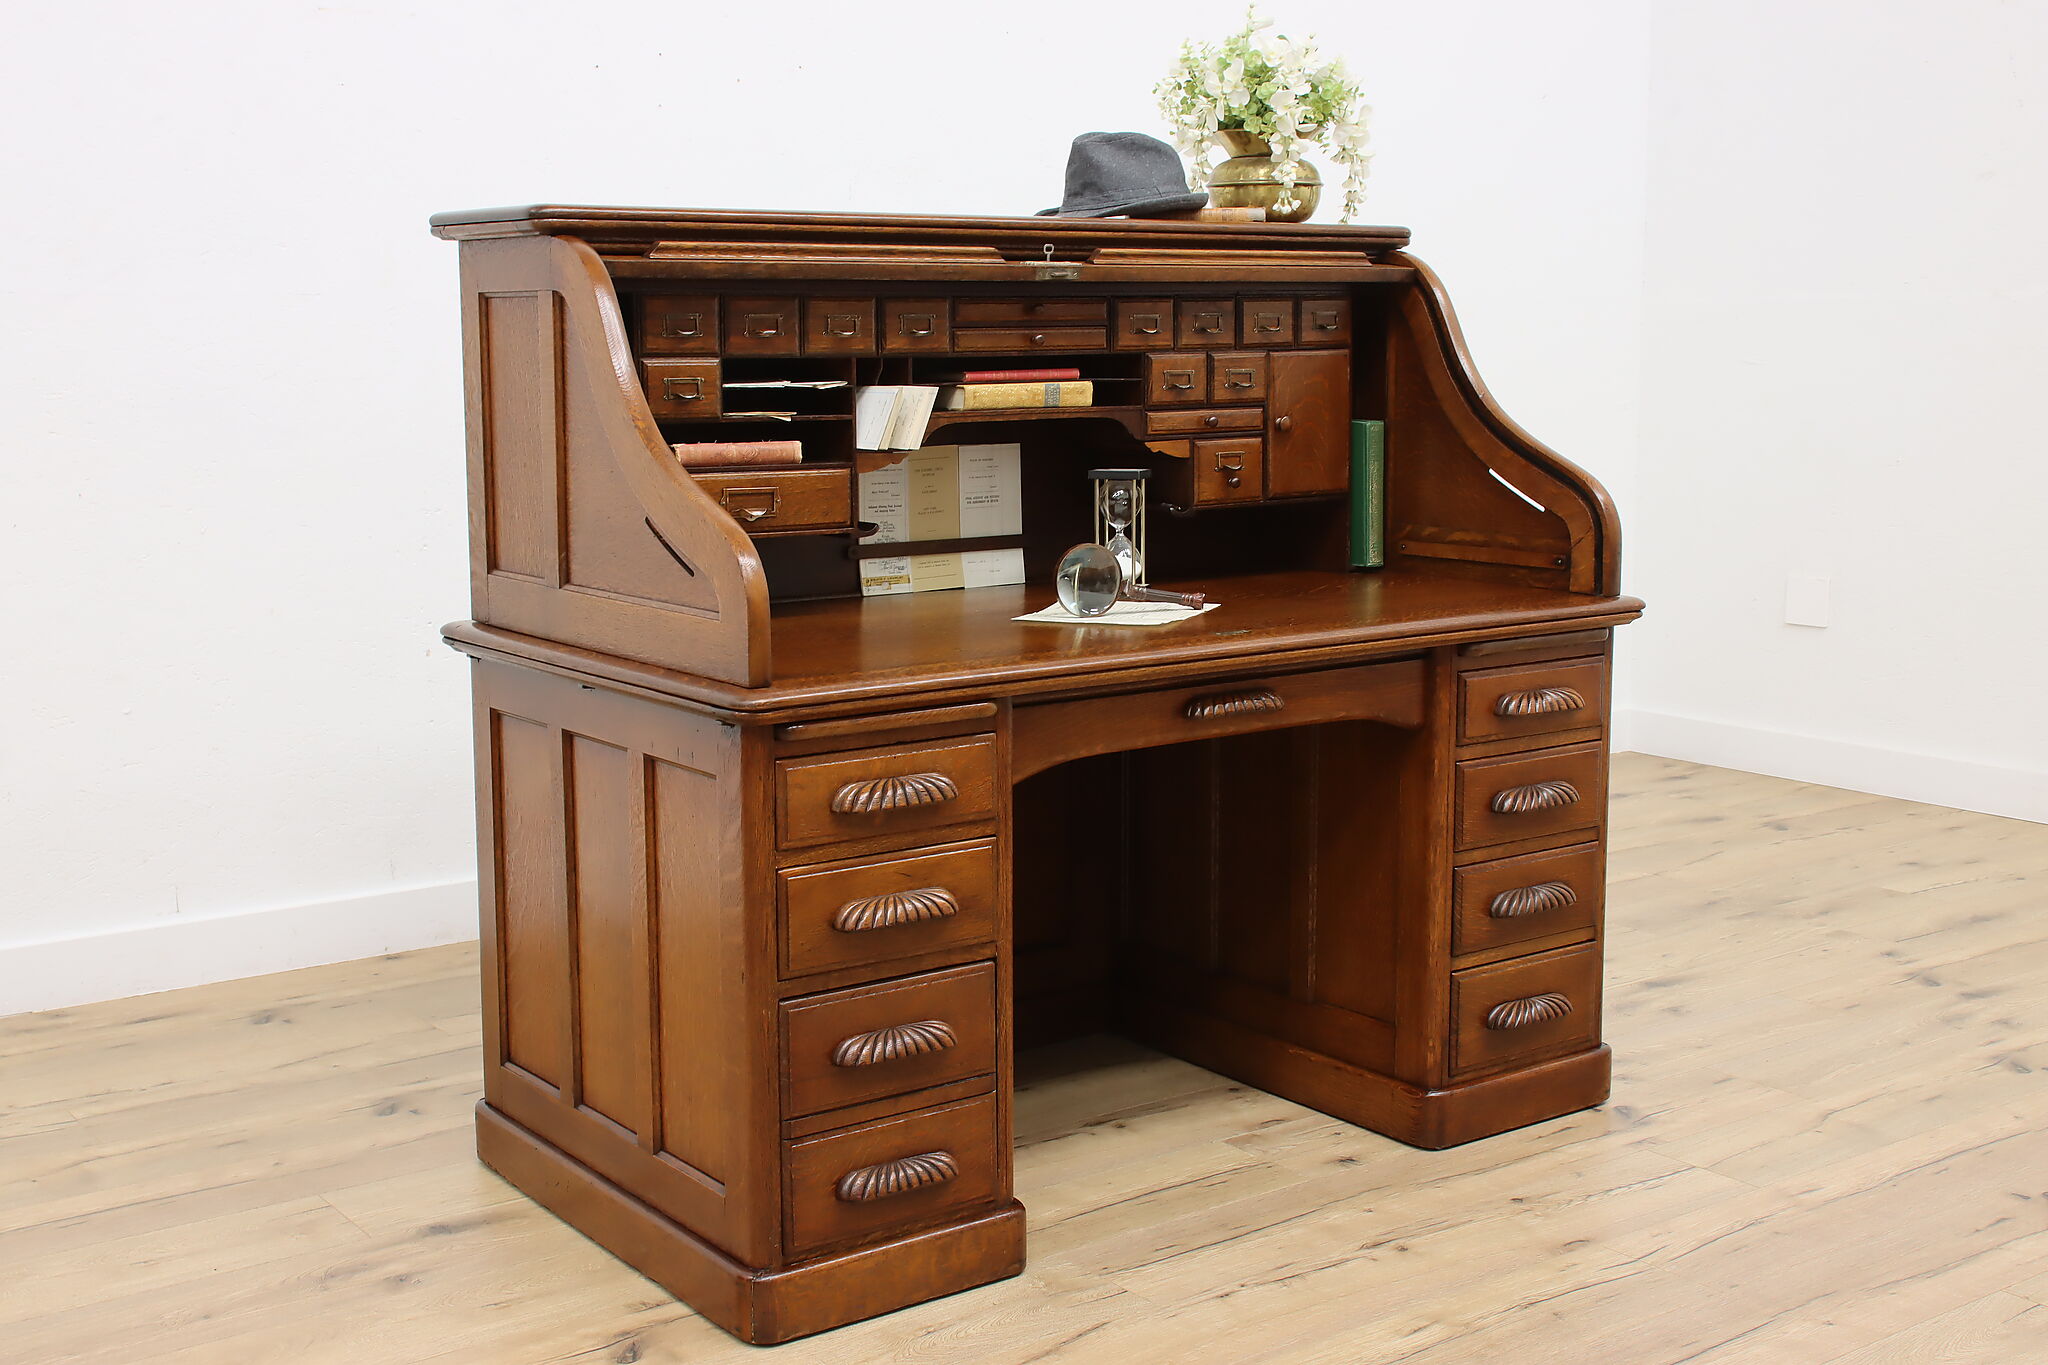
(923, 647)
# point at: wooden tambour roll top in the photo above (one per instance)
(1228, 358)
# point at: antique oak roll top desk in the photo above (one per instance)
(776, 878)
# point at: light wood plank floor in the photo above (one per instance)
(1828, 1142)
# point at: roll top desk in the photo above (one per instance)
(776, 878)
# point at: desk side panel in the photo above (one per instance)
(619, 925)
(583, 528)
(1450, 450)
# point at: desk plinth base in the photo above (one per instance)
(760, 1307)
(1431, 1119)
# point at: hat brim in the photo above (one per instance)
(1134, 208)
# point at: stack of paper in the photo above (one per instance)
(1120, 614)
(892, 416)
(943, 493)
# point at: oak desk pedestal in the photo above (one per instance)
(776, 878)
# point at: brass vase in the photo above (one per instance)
(1251, 179)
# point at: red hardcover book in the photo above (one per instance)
(1018, 376)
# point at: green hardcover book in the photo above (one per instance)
(1368, 495)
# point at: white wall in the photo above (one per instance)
(233, 450)
(1845, 343)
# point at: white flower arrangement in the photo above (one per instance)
(1273, 87)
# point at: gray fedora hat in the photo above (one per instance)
(1125, 173)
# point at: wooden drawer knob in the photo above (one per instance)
(1532, 900)
(901, 1176)
(1539, 701)
(1220, 704)
(1283, 424)
(1038, 339)
(892, 908)
(1534, 797)
(1547, 1008)
(1212, 420)
(905, 792)
(895, 1042)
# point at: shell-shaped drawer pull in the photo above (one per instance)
(901, 1176)
(892, 908)
(1532, 900)
(1538, 701)
(905, 791)
(1536, 796)
(894, 1043)
(1547, 1008)
(1217, 705)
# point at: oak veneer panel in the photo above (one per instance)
(533, 924)
(1574, 697)
(1558, 891)
(966, 878)
(701, 1003)
(613, 999)
(817, 1217)
(522, 438)
(952, 1015)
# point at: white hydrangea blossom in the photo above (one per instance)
(1274, 87)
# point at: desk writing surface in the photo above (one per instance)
(950, 639)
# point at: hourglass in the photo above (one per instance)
(1120, 518)
(1093, 578)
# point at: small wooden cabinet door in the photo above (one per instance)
(1308, 416)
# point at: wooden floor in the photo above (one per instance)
(1828, 1142)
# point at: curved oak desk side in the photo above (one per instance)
(775, 878)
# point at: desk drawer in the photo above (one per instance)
(1143, 323)
(882, 909)
(1266, 322)
(1199, 421)
(681, 388)
(870, 1042)
(1028, 312)
(765, 500)
(1054, 732)
(1020, 339)
(1551, 792)
(1512, 900)
(762, 326)
(839, 326)
(679, 324)
(1522, 1011)
(1206, 323)
(884, 791)
(899, 1173)
(1531, 699)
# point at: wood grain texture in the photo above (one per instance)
(185, 1168)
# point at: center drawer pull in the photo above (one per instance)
(842, 324)
(1547, 1008)
(892, 908)
(1539, 701)
(905, 792)
(1532, 900)
(895, 1042)
(1536, 796)
(901, 1176)
(1217, 705)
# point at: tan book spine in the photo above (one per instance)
(1064, 393)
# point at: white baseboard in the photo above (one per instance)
(2021, 793)
(55, 973)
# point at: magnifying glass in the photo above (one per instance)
(1090, 580)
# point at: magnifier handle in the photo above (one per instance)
(1179, 599)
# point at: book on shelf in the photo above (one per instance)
(1368, 495)
(786, 383)
(1037, 376)
(1066, 393)
(738, 454)
(892, 416)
